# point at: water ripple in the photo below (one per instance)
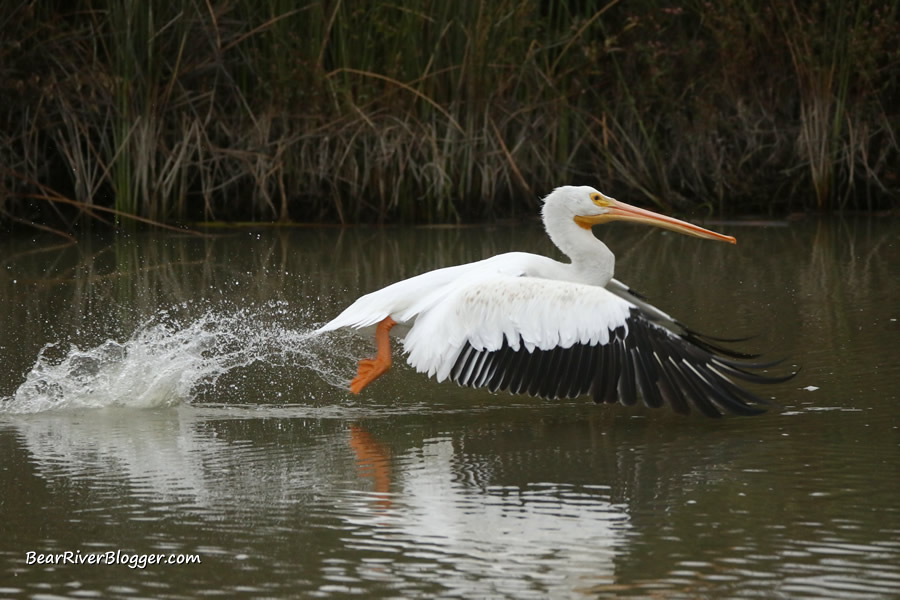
(524, 540)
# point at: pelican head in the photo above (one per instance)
(588, 207)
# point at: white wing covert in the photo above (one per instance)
(380, 304)
(519, 312)
(406, 299)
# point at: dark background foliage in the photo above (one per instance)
(427, 111)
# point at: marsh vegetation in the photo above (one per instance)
(440, 112)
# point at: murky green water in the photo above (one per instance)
(198, 416)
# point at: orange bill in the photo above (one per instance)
(620, 211)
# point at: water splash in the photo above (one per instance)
(171, 360)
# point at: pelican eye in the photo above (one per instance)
(599, 199)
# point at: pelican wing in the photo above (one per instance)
(556, 339)
(375, 306)
(406, 299)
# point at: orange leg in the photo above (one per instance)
(371, 369)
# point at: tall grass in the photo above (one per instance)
(430, 111)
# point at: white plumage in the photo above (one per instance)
(522, 311)
(527, 323)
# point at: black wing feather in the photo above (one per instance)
(627, 381)
(684, 370)
(647, 369)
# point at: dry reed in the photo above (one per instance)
(429, 111)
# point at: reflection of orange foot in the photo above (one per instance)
(371, 369)
(373, 460)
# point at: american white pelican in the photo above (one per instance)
(530, 324)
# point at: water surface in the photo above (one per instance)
(163, 394)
